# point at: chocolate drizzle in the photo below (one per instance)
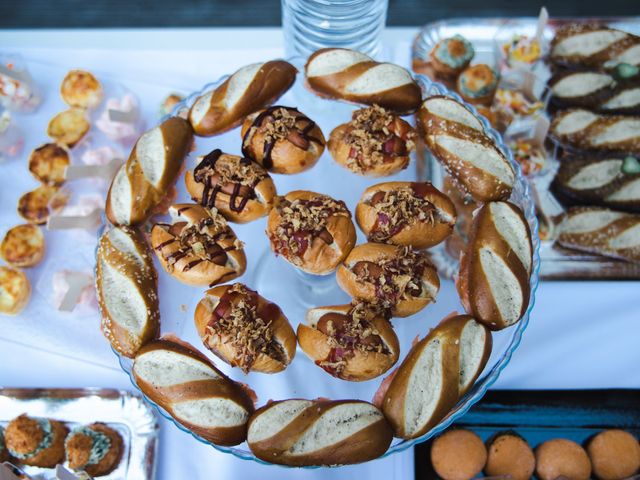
(303, 139)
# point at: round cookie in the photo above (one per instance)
(36, 441)
(95, 449)
(615, 454)
(15, 291)
(23, 246)
(509, 454)
(458, 455)
(560, 457)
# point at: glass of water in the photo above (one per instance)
(313, 24)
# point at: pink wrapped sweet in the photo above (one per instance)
(11, 139)
(120, 120)
(70, 288)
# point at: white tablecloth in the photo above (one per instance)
(581, 334)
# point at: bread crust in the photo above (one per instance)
(257, 205)
(177, 137)
(221, 387)
(138, 268)
(363, 445)
(366, 289)
(110, 460)
(319, 258)
(271, 81)
(198, 268)
(416, 233)
(224, 346)
(403, 99)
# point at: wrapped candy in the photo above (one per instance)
(11, 139)
(18, 91)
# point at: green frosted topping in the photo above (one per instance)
(471, 92)
(624, 71)
(47, 440)
(100, 443)
(631, 165)
(443, 54)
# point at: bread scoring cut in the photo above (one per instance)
(334, 61)
(510, 226)
(472, 348)
(200, 108)
(238, 83)
(587, 44)
(216, 412)
(630, 238)
(453, 111)
(275, 419)
(582, 83)
(164, 368)
(625, 99)
(503, 284)
(384, 76)
(120, 197)
(596, 175)
(124, 243)
(589, 220)
(574, 121)
(620, 131)
(629, 192)
(151, 152)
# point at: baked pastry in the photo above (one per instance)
(375, 142)
(36, 206)
(592, 45)
(351, 342)
(4, 455)
(585, 130)
(311, 231)
(68, 127)
(245, 330)
(458, 454)
(562, 458)
(319, 432)
(509, 455)
(456, 137)
(478, 84)
(436, 372)
(608, 180)
(193, 391)
(239, 188)
(127, 283)
(402, 280)
(81, 89)
(614, 454)
(96, 449)
(248, 90)
(451, 55)
(198, 247)
(493, 280)
(15, 290)
(601, 231)
(23, 246)
(355, 77)
(413, 214)
(48, 163)
(36, 441)
(282, 139)
(148, 176)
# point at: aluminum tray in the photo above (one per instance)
(124, 411)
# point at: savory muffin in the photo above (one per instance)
(37, 205)
(23, 246)
(478, 84)
(450, 56)
(509, 454)
(81, 89)
(458, 455)
(95, 449)
(68, 127)
(48, 163)
(615, 454)
(36, 441)
(562, 458)
(14, 290)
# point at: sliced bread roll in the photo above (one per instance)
(318, 432)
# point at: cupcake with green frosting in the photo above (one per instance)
(450, 56)
(95, 449)
(478, 84)
(36, 441)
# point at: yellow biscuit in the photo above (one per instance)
(81, 89)
(14, 290)
(48, 163)
(23, 246)
(36, 206)
(68, 127)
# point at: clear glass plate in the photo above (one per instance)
(281, 283)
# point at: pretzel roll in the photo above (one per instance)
(401, 279)
(350, 342)
(198, 247)
(282, 140)
(414, 214)
(311, 231)
(601, 231)
(375, 142)
(456, 137)
(353, 76)
(126, 283)
(193, 391)
(239, 188)
(493, 281)
(248, 90)
(245, 330)
(319, 432)
(152, 169)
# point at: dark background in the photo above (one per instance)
(218, 13)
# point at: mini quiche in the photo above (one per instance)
(37, 205)
(14, 290)
(68, 127)
(48, 163)
(81, 89)
(23, 246)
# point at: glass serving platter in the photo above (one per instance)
(281, 283)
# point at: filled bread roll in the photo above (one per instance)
(311, 231)
(353, 76)
(198, 247)
(282, 140)
(126, 284)
(193, 391)
(375, 142)
(413, 214)
(402, 280)
(248, 90)
(245, 330)
(350, 342)
(240, 189)
(147, 177)
(493, 280)
(318, 432)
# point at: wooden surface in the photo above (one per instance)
(218, 13)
